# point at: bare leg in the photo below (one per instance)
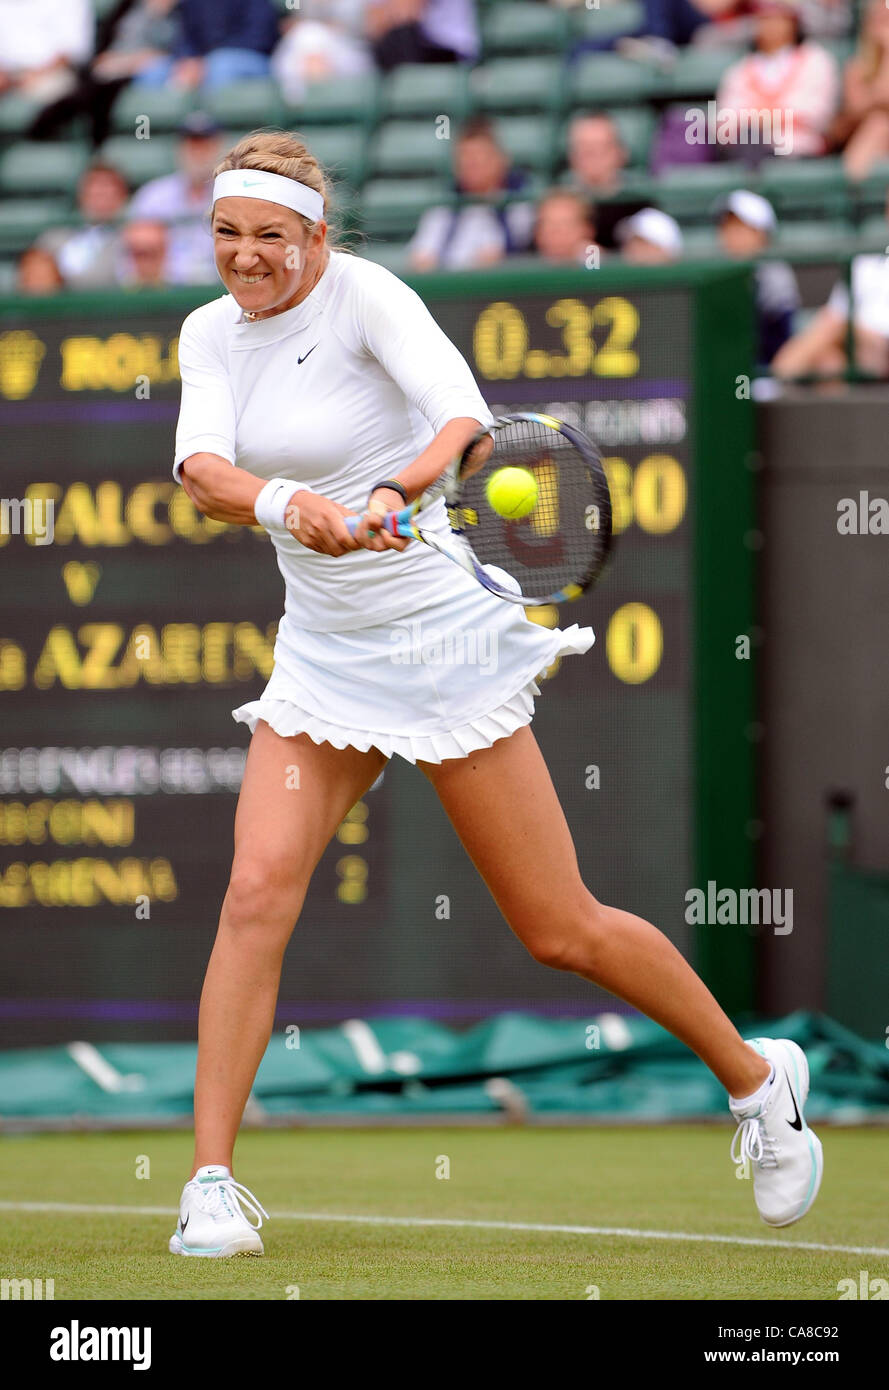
(504, 807)
(869, 143)
(280, 834)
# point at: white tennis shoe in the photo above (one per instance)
(211, 1217)
(773, 1137)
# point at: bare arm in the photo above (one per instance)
(219, 490)
(805, 352)
(229, 494)
(450, 441)
(447, 444)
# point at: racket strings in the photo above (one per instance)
(563, 540)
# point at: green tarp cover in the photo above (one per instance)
(602, 1067)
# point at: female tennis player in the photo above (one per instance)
(317, 388)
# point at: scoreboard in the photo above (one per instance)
(131, 626)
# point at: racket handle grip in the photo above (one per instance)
(396, 523)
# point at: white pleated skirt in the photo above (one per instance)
(441, 682)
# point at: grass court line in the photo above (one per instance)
(447, 1222)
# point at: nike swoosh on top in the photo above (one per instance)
(183, 1224)
(302, 359)
(796, 1122)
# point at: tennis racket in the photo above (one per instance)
(555, 551)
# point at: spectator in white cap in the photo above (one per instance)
(747, 224)
(649, 237)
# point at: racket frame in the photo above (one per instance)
(456, 546)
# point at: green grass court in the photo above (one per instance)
(655, 1184)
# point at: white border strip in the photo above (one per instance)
(447, 1222)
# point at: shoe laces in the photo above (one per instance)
(224, 1198)
(752, 1142)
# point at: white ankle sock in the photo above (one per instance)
(757, 1096)
(211, 1170)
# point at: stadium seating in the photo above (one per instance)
(603, 79)
(873, 234)
(519, 84)
(341, 99)
(16, 114)
(343, 151)
(390, 157)
(409, 147)
(253, 102)
(688, 194)
(165, 107)
(45, 167)
(806, 187)
(600, 23)
(391, 208)
(141, 160)
(23, 219)
(826, 237)
(420, 89)
(530, 142)
(869, 196)
(519, 27)
(698, 72)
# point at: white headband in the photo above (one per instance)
(272, 188)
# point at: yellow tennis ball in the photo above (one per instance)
(512, 492)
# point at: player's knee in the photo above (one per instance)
(262, 896)
(575, 946)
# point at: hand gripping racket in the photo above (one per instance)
(554, 551)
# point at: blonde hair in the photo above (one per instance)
(279, 152)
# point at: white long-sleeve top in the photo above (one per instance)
(337, 393)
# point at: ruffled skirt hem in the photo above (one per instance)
(288, 719)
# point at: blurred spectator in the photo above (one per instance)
(565, 232)
(483, 231)
(827, 19)
(747, 223)
(44, 41)
(221, 41)
(669, 24)
(135, 35)
(326, 40)
(143, 256)
(794, 81)
(597, 159)
(821, 348)
(183, 201)
(422, 31)
(86, 254)
(650, 237)
(863, 124)
(37, 272)
(676, 22)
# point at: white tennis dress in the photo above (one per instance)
(400, 651)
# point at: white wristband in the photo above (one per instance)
(270, 507)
